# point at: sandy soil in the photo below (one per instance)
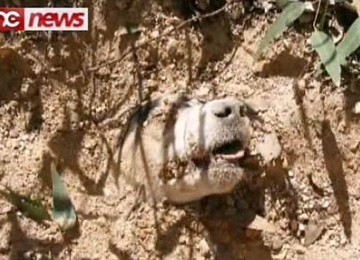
(61, 98)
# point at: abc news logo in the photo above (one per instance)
(43, 19)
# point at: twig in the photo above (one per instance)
(138, 69)
(316, 14)
(322, 21)
(166, 33)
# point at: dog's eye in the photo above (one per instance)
(242, 110)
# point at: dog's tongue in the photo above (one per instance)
(236, 156)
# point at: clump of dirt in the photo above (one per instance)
(68, 96)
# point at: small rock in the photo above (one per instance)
(281, 255)
(303, 217)
(203, 247)
(152, 84)
(277, 244)
(257, 105)
(155, 34)
(301, 227)
(290, 173)
(270, 148)
(312, 232)
(90, 144)
(104, 71)
(325, 204)
(356, 108)
(299, 249)
(13, 133)
(261, 224)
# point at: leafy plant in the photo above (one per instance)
(331, 56)
(350, 42)
(325, 47)
(31, 208)
(63, 211)
(292, 11)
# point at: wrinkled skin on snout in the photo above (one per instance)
(182, 150)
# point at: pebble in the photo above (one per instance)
(312, 233)
(326, 204)
(270, 148)
(302, 227)
(203, 247)
(13, 133)
(303, 217)
(154, 34)
(290, 173)
(356, 108)
(152, 84)
(103, 71)
(299, 249)
(277, 244)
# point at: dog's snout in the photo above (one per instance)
(223, 111)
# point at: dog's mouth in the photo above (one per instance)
(231, 151)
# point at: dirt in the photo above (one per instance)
(63, 99)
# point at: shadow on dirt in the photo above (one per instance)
(121, 254)
(19, 83)
(225, 230)
(298, 95)
(334, 167)
(226, 226)
(21, 244)
(284, 64)
(217, 39)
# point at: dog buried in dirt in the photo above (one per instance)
(183, 149)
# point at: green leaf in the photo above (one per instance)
(283, 3)
(292, 12)
(350, 42)
(325, 48)
(29, 207)
(63, 212)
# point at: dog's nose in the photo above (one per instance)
(223, 111)
(225, 108)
